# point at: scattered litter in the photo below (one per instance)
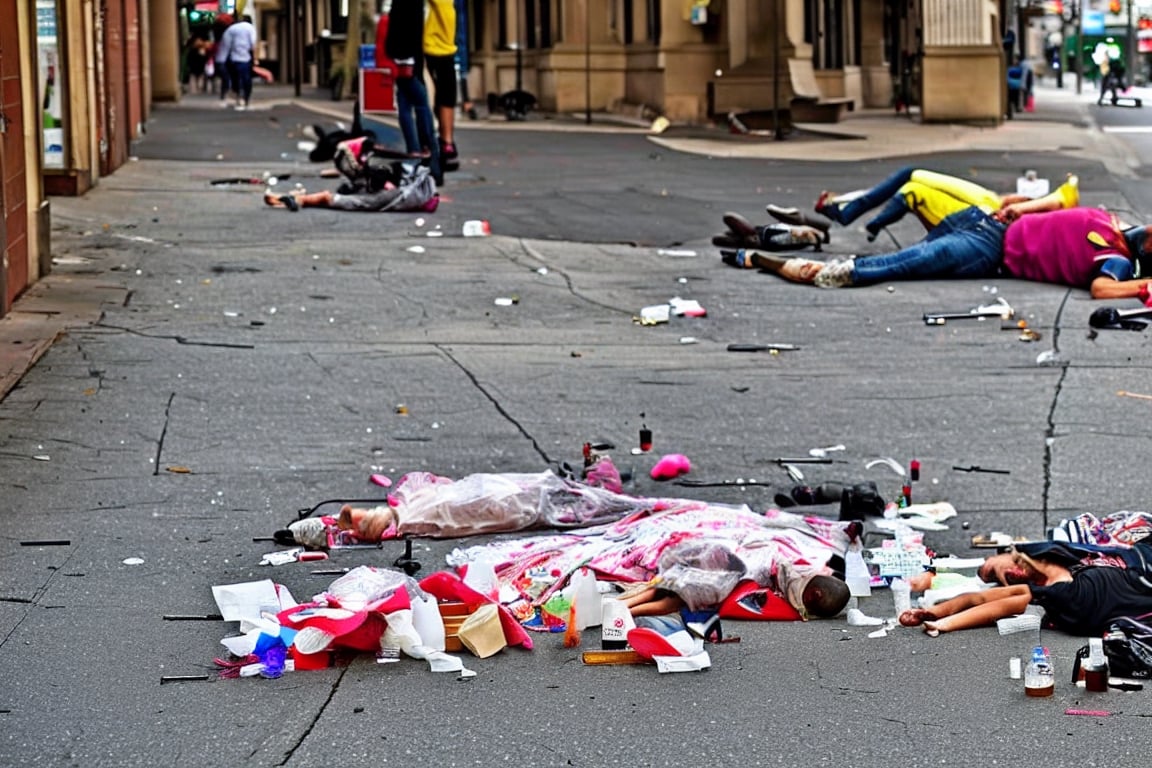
(889, 625)
(183, 679)
(889, 462)
(1123, 393)
(659, 125)
(655, 314)
(675, 252)
(978, 468)
(857, 618)
(178, 470)
(1090, 712)
(295, 555)
(1000, 308)
(1025, 622)
(434, 233)
(401, 410)
(1048, 357)
(381, 480)
(420, 221)
(671, 466)
(687, 339)
(46, 543)
(821, 453)
(42, 457)
(773, 348)
(477, 228)
(133, 561)
(415, 249)
(193, 617)
(507, 301)
(995, 539)
(794, 472)
(686, 307)
(542, 271)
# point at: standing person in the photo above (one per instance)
(403, 38)
(239, 45)
(440, 53)
(462, 62)
(220, 56)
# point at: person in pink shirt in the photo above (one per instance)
(1085, 248)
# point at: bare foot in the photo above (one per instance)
(916, 617)
(801, 270)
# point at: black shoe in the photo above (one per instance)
(738, 258)
(732, 240)
(796, 216)
(740, 225)
(449, 158)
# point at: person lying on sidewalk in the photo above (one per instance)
(1086, 248)
(419, 195)
(930, 196)
(1082, 590)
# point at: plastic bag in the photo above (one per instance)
(702, 572)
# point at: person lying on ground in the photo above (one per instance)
(1086, 248)
(396, 199)
(742, 233)
(930, 196)
(1080, 593)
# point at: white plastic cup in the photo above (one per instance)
(1015, 671)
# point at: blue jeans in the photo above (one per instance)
(415, 118)
(966, 244)
(885, 191)
(241, 73)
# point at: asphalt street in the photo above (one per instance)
(253, 362)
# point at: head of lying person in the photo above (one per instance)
(1140, 249)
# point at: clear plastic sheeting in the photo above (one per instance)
(438, 507)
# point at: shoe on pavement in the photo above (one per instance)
(836, 274)
(733, 240)
(449, 157)
(740, 225)
(739, 258)
(794, 216)
(786, 237)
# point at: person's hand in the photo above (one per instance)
(1008, 213)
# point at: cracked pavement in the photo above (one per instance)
(247, 363)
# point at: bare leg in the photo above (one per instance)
(301, 198)
(659, 607)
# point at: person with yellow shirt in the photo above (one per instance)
(440, 56)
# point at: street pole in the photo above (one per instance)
(587, 62)
(1130, 48)
(1080, 48)
(294, 53)
(777, 128)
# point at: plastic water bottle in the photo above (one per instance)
(901, 595)
(1039, 677)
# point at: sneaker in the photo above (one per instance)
(836, 274)
(794, 216)
(241, 107)
(783, 237)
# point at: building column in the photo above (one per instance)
(164, 46)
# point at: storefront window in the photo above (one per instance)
(51, 83)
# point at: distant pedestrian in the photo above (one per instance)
(462, 61)
(403, 44)
(239, 44)
(440, 54)
(220, 56)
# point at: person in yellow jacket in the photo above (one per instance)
(440, 57)
(929, 195)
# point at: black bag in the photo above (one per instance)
(1128, 648)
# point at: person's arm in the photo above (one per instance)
(1108, 287)
(1010, 213)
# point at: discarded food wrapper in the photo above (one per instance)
(655, 314)
(477, 228)
(681, 252)
(995, 539)
(686, 308)
(507, 301)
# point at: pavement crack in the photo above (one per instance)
(1050, 431)
(174, 337)
(163, 434)
(572, 289)
(496, 404)
(316, 717)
